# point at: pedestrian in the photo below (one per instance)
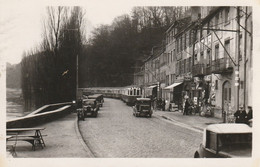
(240, 115)
(186, 107)
(250, 113)
(159, 104)
(163, 104)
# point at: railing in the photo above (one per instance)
(222, 65)
(39, 117)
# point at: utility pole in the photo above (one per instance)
(245, 61)
(77, 76)
(237, 80)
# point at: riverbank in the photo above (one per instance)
(14, 103)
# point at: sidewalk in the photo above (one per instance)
(194, 121)
(62, 141)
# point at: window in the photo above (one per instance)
(167, 80)
(201, 33)
(227, 15)
(138, 92)
(225, 93)
(134, 91)
(229, 96)
(227, 47)
(211, 140)
(208, 57)
(216, 84)
(184, 66)
(172, 78)
(187, 38)
(176, 68)
(184, 40)
(217, 21)
(201, 56)
(195, 57)
(171, 56)
(216, 51)
(190, 40)
(189, 65)
(181, 65)
(240, 47)
(180, 43)
(241, 84)
(177, 44)
(208, 24)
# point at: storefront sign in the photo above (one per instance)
(195, 100)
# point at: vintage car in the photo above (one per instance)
(99, 98)
(90, 107)
(142, 107)
(225, 141)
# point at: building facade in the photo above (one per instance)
(208, 58)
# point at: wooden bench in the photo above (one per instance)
(35, 140)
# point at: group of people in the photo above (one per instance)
(187, 106)
(158, 103)
(242, 116)
(161, 104)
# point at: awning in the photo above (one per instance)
(173, 85)
(152, 86)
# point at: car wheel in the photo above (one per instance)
(196, 155)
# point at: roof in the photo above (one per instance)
(143, 99)
(229, 128)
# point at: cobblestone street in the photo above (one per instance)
(116, 133)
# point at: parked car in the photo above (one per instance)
(143, 106)
(99, 98)
(90, 107)
(226, 141)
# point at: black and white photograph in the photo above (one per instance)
(119, 83)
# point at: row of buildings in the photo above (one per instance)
(206, 57)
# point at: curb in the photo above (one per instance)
(167, 118)
(81, 140)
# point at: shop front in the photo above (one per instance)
(175, 91)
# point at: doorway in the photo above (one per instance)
(226, 97)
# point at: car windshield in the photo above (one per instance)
(229, 142)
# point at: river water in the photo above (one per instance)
(14, 104)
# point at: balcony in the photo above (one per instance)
(221, 66)
(198, 70)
